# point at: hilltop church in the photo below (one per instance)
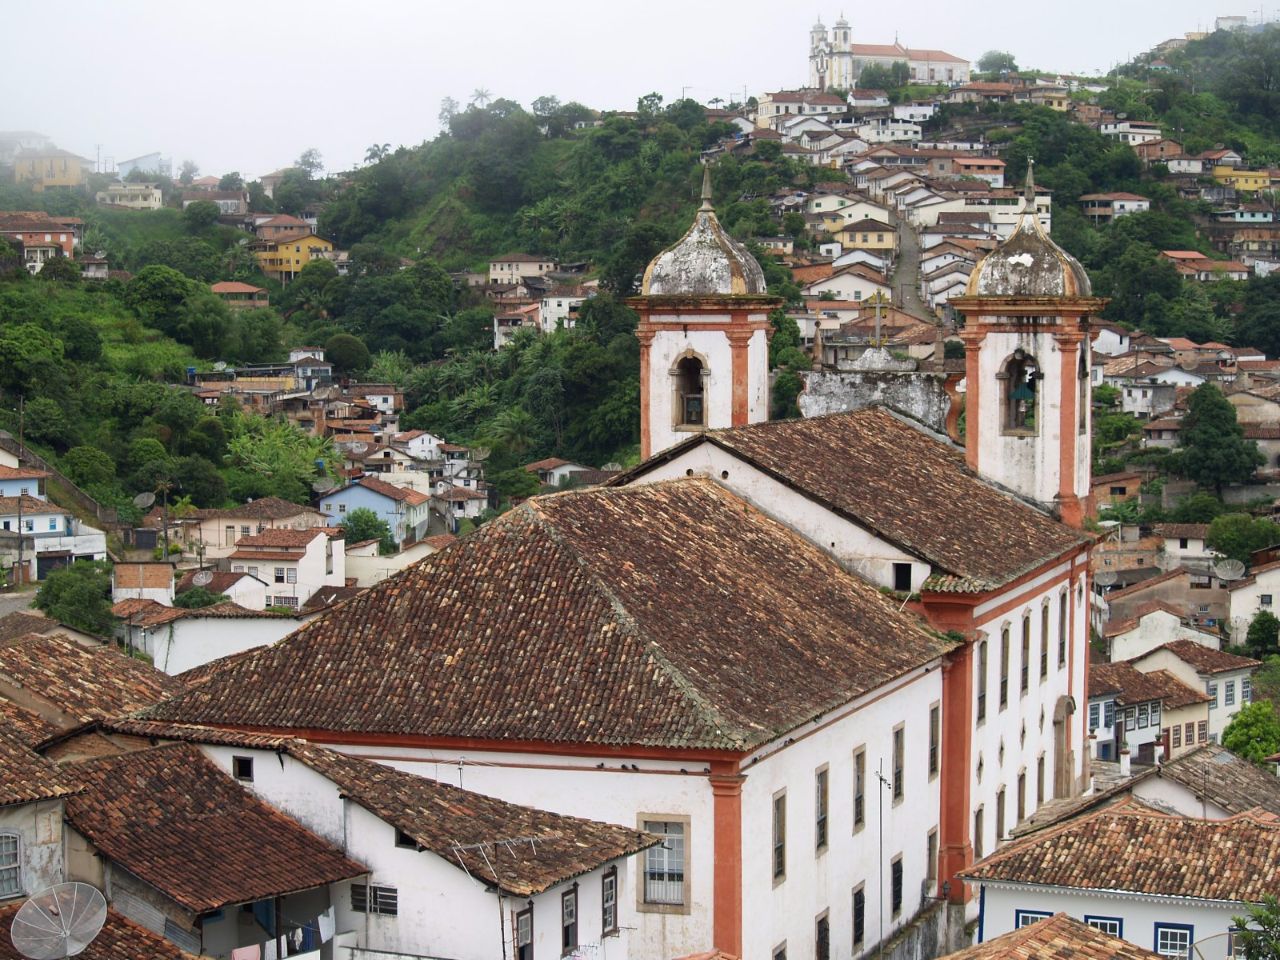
(836, 61)
(830, 662)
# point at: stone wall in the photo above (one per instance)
(919, 395)
(935, 931)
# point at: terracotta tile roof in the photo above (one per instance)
(198, 675)
(441, 540)
(459, 494)
(82, 683)
(1130, 847)
(326, 597)
(220, 581)
(1141, 585)
(174, 820)
(446, 819)
(285, 537)
(32, 506)
(21, 473)
(24, 725)
(915, 491)
(20, 623)
(25, 776)
(550, 463)
(119, 939)
(235, 286)
(1192, 531)
(1231, 782)
(1117, 627)
(1205, 659)
(399, 494)
(1130, 685)
(611, 616)
(140, 612)
(264, 508)
(1059, 937)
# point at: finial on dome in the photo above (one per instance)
(706, 189)
(1030, 195)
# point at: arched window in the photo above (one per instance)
(1020, 381)
(689, 373)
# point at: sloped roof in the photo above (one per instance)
(84, 683)
(1131, 685)
(1132, 848)
(21, 473)
(1204, 659)
(1059, 937)
(399, 494)
(913, 490)
(1231, 782)
(24, 725)
(220, 581)
(25, 776)
(634, 616)
(20, 623)
(119, 939)
(173, 819)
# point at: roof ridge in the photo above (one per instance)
(652, 648)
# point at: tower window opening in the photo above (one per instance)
(1083, 385)
(688, 375)
(1020, 381)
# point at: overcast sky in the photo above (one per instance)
(247, 86)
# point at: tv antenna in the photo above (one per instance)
(59, 922)
(1228, 569)
(202, 578)
(144, 500)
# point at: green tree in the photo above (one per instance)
(79, 596)
(198, 597)
(273, 457)
(310, 161)
(89, 467)
(363, 524)
(200, 216)
(231, 181)
(1198, 508)
(1254, 732)
(62, 269)
(1264, 634)
(1259, 931)
(347, 353)
(188, 172)
(997, 61)
(1213, 451)
(1238, 535)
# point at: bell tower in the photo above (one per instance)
(704, 335)
(1026, 334)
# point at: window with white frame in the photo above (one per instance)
(373, 898)
(1246, 690)
(524, 935)
(10, 865)
(1095, 715)
(1113, 926)
(1025, 918)
(1173, 939)
(609, 902)
(569, 921)
(664, 864)
(1213, 696)
(291, 575)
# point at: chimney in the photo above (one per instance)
(1125, 768)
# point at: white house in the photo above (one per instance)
(854, 282)
(514, 267)
(889, 130)
(1152, 625)
(560, 309)
(242, 589)
(1151, 714)
(179, 639)
(1256, 592)
(60, 539)
(1112, 869)
(419, 444)
(1225, 677)
(1132, 132)
(1185, 544)
(293, 563)
(1111, 340)
(554, 471)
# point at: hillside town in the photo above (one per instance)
(871, 548)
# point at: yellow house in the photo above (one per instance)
(283, 258)
(868, 235)
(1251, 181)
(50, 168)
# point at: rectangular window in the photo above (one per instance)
(404, 840)
(902, 577)
(822, 939)
(820, 809)
(977, 834)
(53, 523)
(1155, 713)
(859, 917)
(1113, 926)
(1131, 718)
(1004, 668)
(285, 602)
(1024, 665)
(1177, 735)
(780, 836)
(1213, 696)
(569, 921)
(524, 935)
(1144, 715)
(244, 531)
(1173, 939)
(1062, 630)
(1203, 730)
(1190, 735)
(1095, 714)
(899, 742)
(1024, 918)
(291, 575)
(664, 864)
(931, 860)
(1246, 690)
(999, 816)
(342, 508)
(895, 885)
(1044, 642)
(982, 681)
(10, 865)
(1109, 713)
(859, 789)
(1022, 796)
(1040, 780)
(279, 574)
(381, 900)
(242, 768)
(935, 737)
(609, 902)
(1229, 694)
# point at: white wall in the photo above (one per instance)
(1155, 630)
(194, 641)
(39, 829)
(1245, 600)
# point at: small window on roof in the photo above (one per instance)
(242, 768)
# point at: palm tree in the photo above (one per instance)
(376, 152)
(480, 97)
(715, 101)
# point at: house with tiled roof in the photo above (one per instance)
(1225, 677)
(241, 588)
(293, 563)
(178, 639)
(1167, 883)
(1147, 714)
(1249, 596)
(559, 881)
(1151, 625)
(554, 470)
(404, 510)
(22, 482)
(1042, 934)
(58, 537)
(212, 532)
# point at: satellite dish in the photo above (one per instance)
(144, 500)
(202, 578)
(1105, 578)
(59, 922)
(1189, 364)
(324, 485)
(359, 447)
(1228, 569)
(220, 366)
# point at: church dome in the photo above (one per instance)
(706, 262)
(1029, 263)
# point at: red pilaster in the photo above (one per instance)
(739, 344)
(645, 337)
(955, 846)
(726, 923)
(1069, 504)
(972, 383)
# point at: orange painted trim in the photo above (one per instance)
(726, 884)
(1069, 505)
(646, 387)
(739, 342)
(955, 848)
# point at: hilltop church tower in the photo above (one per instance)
(831, 58)
(704, 335)
(1026, 337)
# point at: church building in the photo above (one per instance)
(836, 61)
(830, 662)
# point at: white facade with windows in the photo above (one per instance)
(30, 848)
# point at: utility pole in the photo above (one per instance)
(21, 450)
